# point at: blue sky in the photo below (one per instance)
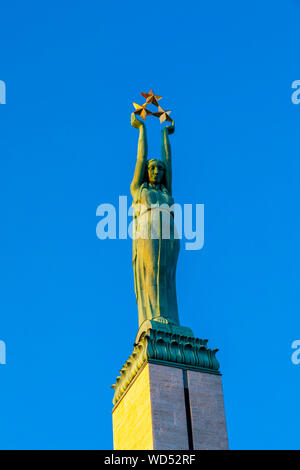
(68, 311)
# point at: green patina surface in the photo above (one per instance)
(160, 338)
(155, 247)
(168, 344)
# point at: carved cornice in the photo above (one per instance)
(165, 345)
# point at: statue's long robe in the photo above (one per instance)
(155, 257)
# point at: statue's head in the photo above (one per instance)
(156, 171)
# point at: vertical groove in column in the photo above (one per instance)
(188, 410)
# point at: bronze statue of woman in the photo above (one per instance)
(154, 256)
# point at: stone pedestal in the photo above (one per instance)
(169, 394)
(207, 411)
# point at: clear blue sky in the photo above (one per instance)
(68, 311)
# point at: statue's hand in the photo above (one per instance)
(136, 122)
(170, 129)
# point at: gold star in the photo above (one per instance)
(141, 110)
(163, 115)
(151, 97)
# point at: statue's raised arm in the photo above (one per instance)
(166, 155)
(142, 152)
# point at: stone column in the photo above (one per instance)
(207, 411)
(169, 394)
(151, 414)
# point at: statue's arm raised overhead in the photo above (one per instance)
(166, 154)
(142, 152)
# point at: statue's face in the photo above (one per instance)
(155, 172)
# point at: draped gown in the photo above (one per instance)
(155, 254)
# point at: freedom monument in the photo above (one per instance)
(168, 395)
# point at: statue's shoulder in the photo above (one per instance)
(138, 192)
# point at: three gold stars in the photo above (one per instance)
(151, 98)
